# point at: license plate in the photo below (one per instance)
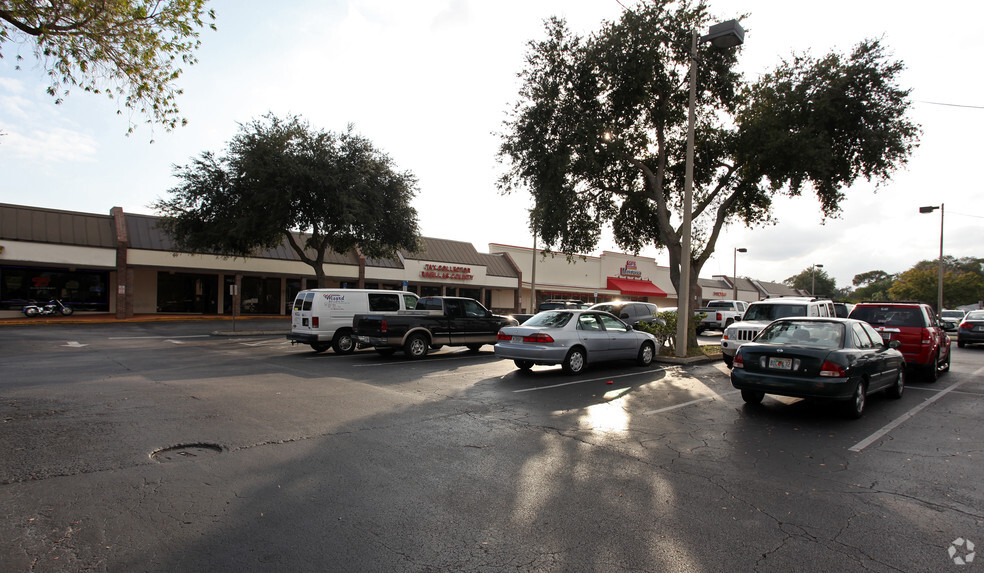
(781, 363)
(979, 329)
(517, 338)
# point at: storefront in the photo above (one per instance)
(122, 263)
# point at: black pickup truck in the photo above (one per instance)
(436, 322)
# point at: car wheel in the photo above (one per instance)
(575, 361)
(855, 406)
(416, 346)
(896, 390)
(728, 360)
(646, 354)
(524, 364)
(933, 369)
(344, 342)
(320, 346)
(474, 347)
(752, 397)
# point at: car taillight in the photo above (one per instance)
(382, 325)
(315, 321)
(964, 324)
(738, 362)
(927, 336)
(832, 370)
(725, 335)
(538, 337)
(719, 317)
(502, 336)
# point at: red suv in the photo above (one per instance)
(924, 343)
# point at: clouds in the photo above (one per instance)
(429, 82)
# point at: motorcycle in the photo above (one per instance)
(53, 306)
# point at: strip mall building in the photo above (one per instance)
(122, 263)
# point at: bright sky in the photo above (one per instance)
(430, 82)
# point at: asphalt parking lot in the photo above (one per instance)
(164, 447)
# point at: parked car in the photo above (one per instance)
(843, 309)
(971, 330)
(720, 314)
(951, 319)
(833, 358)
(437, 321)
(323, 317)
(762, 312)
(573, 339)
(924, 343)
(630, 312)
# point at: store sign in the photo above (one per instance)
(446, 272)
(719, 293)
(630, 270)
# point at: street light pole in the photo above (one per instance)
(939, 286)
(734, 271)
(813, 279)
(724, 35)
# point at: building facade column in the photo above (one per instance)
(124, 276)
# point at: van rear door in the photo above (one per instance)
(301, 319)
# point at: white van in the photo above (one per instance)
(322, 317)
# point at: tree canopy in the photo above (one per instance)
(131, 50)
(815, 281)
(963, 282)
(279, 178)
(598, 135)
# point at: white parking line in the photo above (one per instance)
(685, 404)
(898, 421)
(584, 381)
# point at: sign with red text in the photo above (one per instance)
(630, 270)
(448, 272)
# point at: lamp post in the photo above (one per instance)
(735, 270)
(813, 279)
(939, 286)
(724, 35)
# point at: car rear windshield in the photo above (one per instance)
(974, 316)
(772, 311)
(550, 319)
(889, 315)
(810, 334)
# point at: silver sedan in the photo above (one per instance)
(573, 338)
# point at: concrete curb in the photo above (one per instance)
(687, 361)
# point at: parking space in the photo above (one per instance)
(460, 447)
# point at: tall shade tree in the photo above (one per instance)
(815, 281)
(598, 135)
(131, 50)
(280, 180)
(963, 282)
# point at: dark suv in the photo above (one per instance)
(924, 343)
(631, 312)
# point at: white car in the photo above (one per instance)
(763, 312)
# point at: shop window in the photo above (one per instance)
(80, 289)
(187, 292)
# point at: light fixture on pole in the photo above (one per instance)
(735, 270)
(813, 279)
(724, 35)
(939, 286)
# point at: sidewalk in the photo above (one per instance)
(105, 317)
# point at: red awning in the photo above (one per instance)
(635, 287)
